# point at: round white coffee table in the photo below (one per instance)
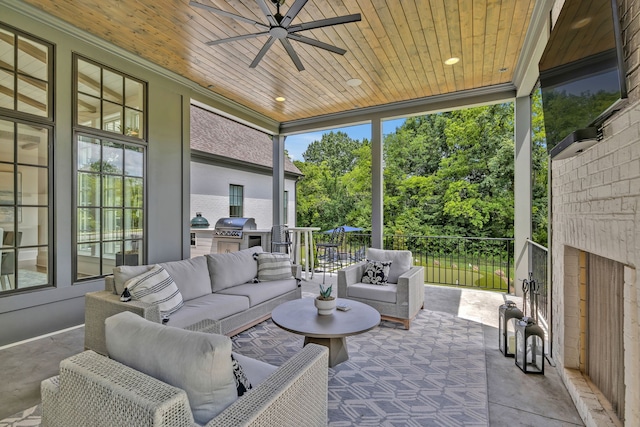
(301, 317)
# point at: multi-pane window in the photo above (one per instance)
(236, 197)
(110, 170)
(109, 100)
(26, 128)
(25, 74)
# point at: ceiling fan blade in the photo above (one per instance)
(262, 52)
(317, 43)
(232, 39)
(325, 23)
(292, 54)
(293, 12)
(267, 12)
(228, 14)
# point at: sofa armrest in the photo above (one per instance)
(410, 288)
(94, 390)
(102, 304)
(296, 394)
(348, 276)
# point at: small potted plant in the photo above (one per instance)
(325, 303)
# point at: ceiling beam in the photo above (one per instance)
(526, 74)
(432, 104)
(23, 98)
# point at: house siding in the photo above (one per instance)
(210, 189)
(595, 207)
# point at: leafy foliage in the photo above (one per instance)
(448, 173)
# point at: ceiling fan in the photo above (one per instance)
(280, 28)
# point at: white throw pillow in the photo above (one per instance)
(123, 273)
(156, 287)
(273, 266)
(196, 362)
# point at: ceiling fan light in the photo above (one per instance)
(280, 98)
(452, 60)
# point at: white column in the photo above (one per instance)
(278, 180)
(377, 217)
(522, 190)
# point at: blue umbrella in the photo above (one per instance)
(347, 229)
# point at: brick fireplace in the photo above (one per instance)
(595, 205)
(595, 215)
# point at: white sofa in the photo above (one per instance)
(162, 376)
(218, 290)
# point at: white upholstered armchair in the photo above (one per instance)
(400, 299)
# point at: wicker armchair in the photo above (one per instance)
(93, 390)
(399, 301)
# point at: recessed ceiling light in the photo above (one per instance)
(280, 98)
(452, 60)
(354, 82)
(581, 23)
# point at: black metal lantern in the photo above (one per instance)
(509, 313)
(529, 346)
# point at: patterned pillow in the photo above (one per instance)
(242, 382)
(156, 287)
(376, 272)
(273, 266)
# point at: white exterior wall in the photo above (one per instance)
(596, 209)
(210, 194)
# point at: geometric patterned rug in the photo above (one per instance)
(431, 375)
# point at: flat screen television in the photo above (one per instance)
(582, 75)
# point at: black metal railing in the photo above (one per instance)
(485, 263)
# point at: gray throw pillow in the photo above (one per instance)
(273, 266)
(233, 268)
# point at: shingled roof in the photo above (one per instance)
(217, 135)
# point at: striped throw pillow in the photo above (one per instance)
(273, 266)
(157, 287)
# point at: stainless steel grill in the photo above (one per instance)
(233, 227)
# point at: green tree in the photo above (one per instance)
(540, 163)
(452, 174)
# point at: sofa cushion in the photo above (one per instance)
(123, 273)
(196, 362)
(373, 292)
(273, 266)
(233, 268)
(261, 292)
(212, 306)
(191, 276)
(376, 272)
(156, 287)
(255, 370)
(401, 261)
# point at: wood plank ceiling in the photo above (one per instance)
(397, 50)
